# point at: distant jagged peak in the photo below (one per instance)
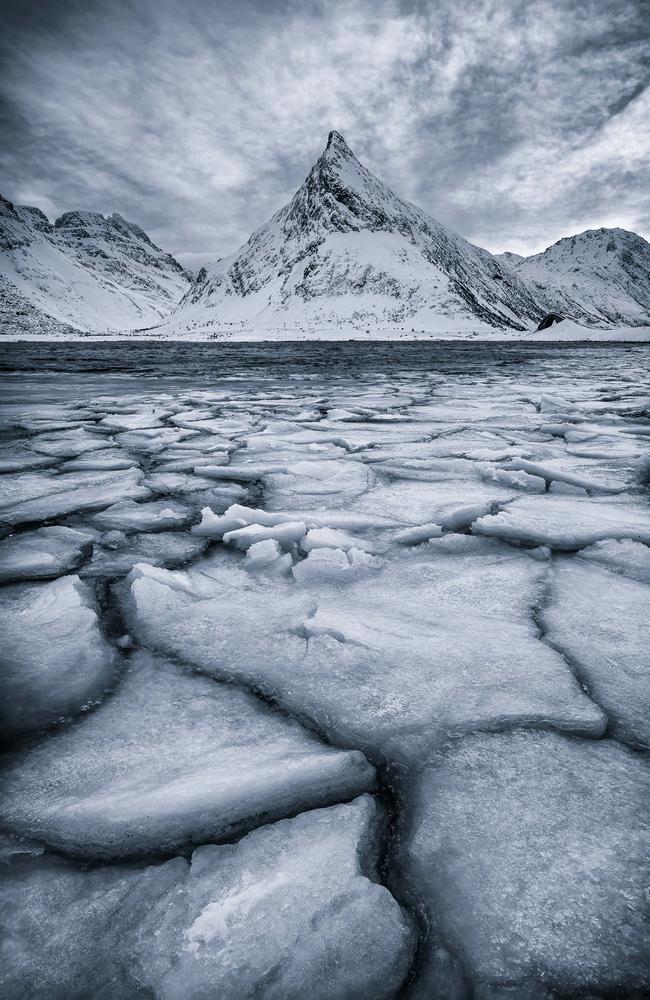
(27, 214)
(87, 271)
(607, 239)
(34, 217)
(7, 207)
(509, 256)
(84, 223)
(78, 219)
(590, 247)
(130, 228)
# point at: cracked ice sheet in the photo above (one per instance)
(567, 523)
(225, 925)
(130, 516)
(629, 558)
(409, 503)
(44, 553)
(54, 657)
(118, 553)
(530, 853)
(427, 643)
(600, 621)
(67, 494)
(171, 758)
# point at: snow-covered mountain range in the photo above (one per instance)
(346, 257)
(85, 272)
(600, 277)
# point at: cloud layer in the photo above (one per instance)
(514, 122)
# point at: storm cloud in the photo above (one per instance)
(513, 122)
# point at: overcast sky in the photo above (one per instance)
(515, 122)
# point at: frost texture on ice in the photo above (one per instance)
(564, 523)
(61, 495)
(42, 554)
(291, 910)
(171, 758)
(600, 620)
(129, 516)
(531, 851)
(116, 553)
(627, 557)
(54, 657)
(423, 644)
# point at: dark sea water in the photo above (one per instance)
(44, 369)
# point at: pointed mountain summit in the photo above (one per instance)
(347, 252)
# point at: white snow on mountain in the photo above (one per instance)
(347, 253)
(86, 272)
(600, 277)
(509, 257)
(345, 258)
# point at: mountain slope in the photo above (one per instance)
(347, 252)
(601, 277)
(86, 271)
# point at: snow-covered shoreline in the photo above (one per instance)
(568, 332)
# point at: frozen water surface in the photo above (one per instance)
(369, 649)
(54, 656)
(530, 851)
(43, 553)
(611, 649)
(325, 671)
(294, 909)
(169, 759)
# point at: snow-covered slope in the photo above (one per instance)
(346, 253)
(85, 272)
(600, 277)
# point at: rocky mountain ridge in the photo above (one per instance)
(600, 277)
(84, 272)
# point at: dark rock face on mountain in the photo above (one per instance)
(85, 272)
(551, 319)
(600, 277)
(346, 251)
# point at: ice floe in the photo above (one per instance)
(566, 523)
(599, 620)
(54, 657)
(130, 516)
(421, 646)
(43, 553)
(530, 851)
(293, 909)
(171, 758)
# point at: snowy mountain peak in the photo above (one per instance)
(87, 271)
(34, 217)
(347, 250)
(600, 276)
(339, 194)
(592, 243)
(509, 257)
(336, 143)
